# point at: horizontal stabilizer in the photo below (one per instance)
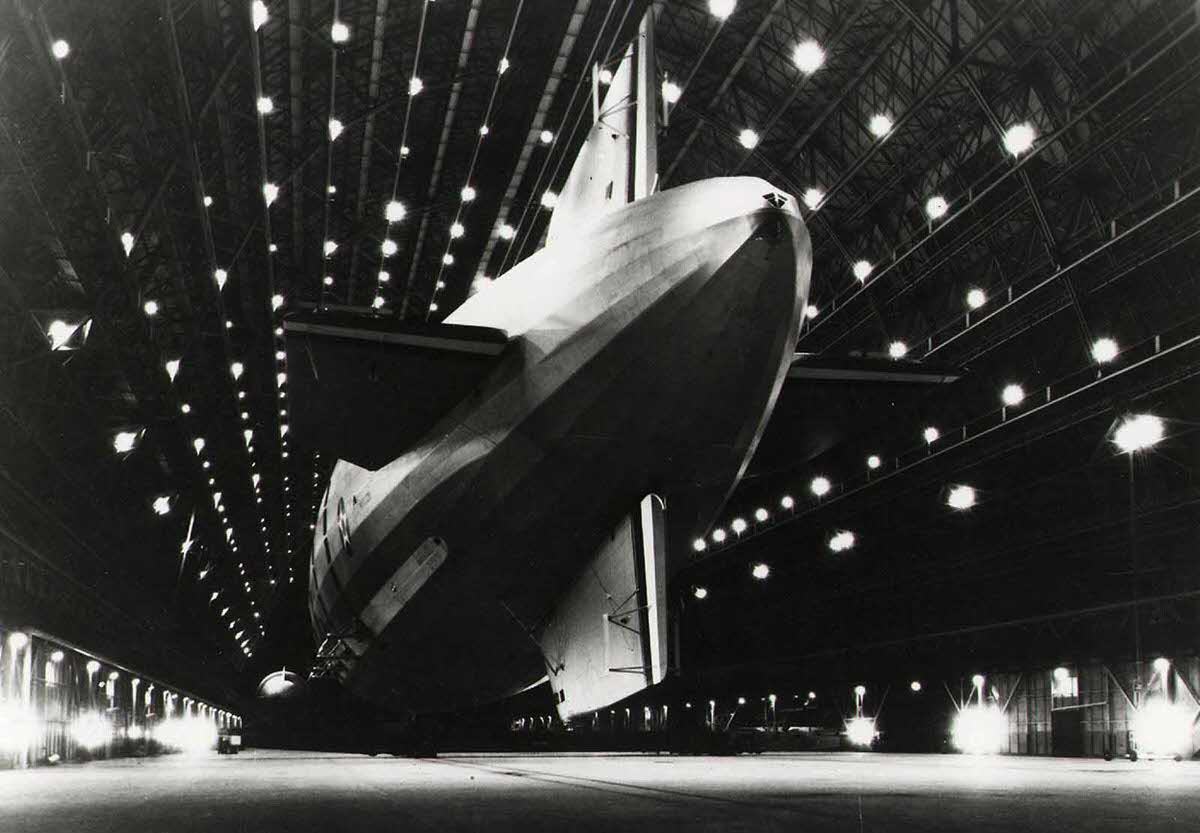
(366, 387)
(814, 367)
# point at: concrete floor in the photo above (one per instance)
(266, 791)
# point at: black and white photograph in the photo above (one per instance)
(473, 416)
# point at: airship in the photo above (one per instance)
(495, 517)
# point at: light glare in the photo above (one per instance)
(1139, 432)
(880, 125)
(1104, 350)
(1019, 138)
(936, 207)
(961, 497)
(808, 56)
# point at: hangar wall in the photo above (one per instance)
(1089, 710)
(59, 703)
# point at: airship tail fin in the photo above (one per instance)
(366, 387)
(618, 162)
(607, 638)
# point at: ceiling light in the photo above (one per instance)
(873, 462)
(1137, 433)
(60, 49)
(1104, 350)
(1012, 395)
(936, 207)
(198, 444)
(1019, 138)
(671, 92)
(457, 230)
(330, 247)
(760, 514)
(264, 104)
(813, 197)
(718, 535)
(185, 408)
(484, 130)
(748, 139)
(172, 367)
(433, 307)
(236, 369)
(862, 269)
(127, 242)
(270, 192)
(931, 435)
(546, 137)
(760, 571)
(787, 502)
(605, 77)
(339, 32)
(220, 276)
(276, 301)
(549, 199)
(961, 497)
(506, 231)
(384, 277)
(738, 525)
(328, 280)
(150, 308)
(404, 151)
(335, 129)
(468, 193)
(394, 211)
(811, 312)
(208, 201)
(272, 248)
(162, 505)
(808, 56)
(388, 247)
(415, 85)
(841, 541)
(700, 593)
(258, 14)
(332, 189)
(124, 441)
(880, 125)
(699, 545)
(59, 333)
(897, 349)
(820, 486)
(378, 302)
(504, 65)
(976, 298)
(447, 259)
(721, 9)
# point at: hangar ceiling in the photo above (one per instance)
(173, 173)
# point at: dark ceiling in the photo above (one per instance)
(1090, 233)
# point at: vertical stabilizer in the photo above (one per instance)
(618, 162)
(607, 636)
(645, 161)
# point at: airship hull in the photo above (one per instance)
(646, 354)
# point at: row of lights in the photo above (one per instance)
(1104, 350)
(1138, 432)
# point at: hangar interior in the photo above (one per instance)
(998, 553)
